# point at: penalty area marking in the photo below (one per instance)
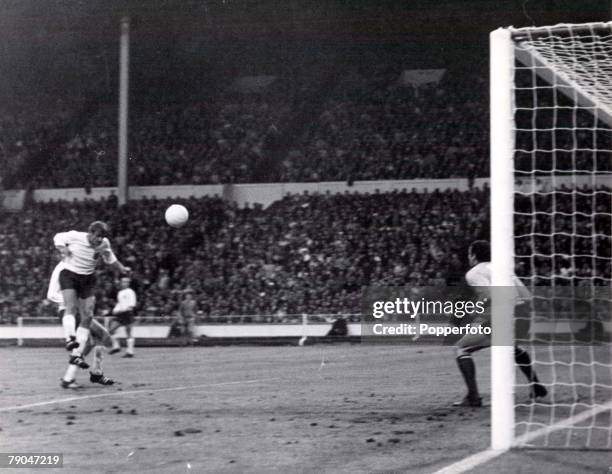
(487, 455)
(132, 392)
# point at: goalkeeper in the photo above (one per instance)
(479, 276)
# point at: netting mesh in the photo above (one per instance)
(563, 245)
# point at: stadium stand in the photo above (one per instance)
(375, 128)
(366, 127)
(341, 128)
(303, 254)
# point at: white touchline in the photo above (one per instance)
(484, 456)
(130, 392)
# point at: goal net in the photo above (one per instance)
(551, 213)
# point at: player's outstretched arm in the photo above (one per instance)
(121, 268)
(111, 259)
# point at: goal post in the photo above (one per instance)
(502, 243)
(551, 218)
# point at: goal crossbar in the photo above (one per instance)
(519, 34)
(568, 81)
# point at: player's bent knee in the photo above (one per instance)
(70, 300)
(86, 321)
(461, 351)
(87, 350)
(107, 340)
(100, 333)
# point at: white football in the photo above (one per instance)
(177, 215)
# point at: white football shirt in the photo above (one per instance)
(126, 301)
(84, 257)
(480, 275)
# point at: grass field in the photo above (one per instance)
(324, 408)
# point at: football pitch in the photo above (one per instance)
(323, 408)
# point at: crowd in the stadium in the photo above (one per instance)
(24, 131)
(362, 125)
(380, 129)
(365, 128)
(170, 145)
(196, 143)
(303, 254)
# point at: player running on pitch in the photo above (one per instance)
(479, 275)
(80, 253)
(97, 331)
(124, 316)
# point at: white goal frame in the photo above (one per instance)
(502, 234)
(503, 55)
